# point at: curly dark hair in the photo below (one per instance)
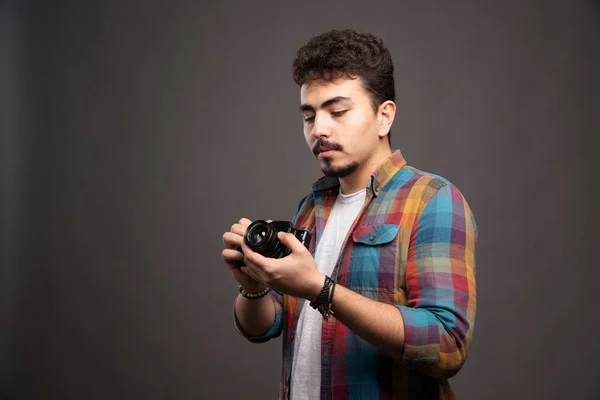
(347, 54)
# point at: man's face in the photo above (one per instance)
(340, 126)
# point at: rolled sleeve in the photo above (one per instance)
(440, 281)
(275, 329)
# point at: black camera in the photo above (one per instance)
(261, 237)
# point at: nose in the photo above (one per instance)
(321, 126)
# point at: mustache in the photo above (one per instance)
(324, 145)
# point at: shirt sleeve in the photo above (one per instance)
(440, 281)
(275, 329)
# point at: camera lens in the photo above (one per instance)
(258, 235)
(261, 237)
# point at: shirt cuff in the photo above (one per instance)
(421, 337)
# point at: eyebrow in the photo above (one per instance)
(327, 103)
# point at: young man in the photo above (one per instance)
(382, 303)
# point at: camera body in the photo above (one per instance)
(261, 237)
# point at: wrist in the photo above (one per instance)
(252, 288)
(323, 301)
(253, 295)
(315, 287)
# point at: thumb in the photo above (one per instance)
(291, 242)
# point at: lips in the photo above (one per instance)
(324, 150)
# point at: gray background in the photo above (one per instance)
(135, 133)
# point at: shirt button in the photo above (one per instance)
(373, 237)
(291, 337)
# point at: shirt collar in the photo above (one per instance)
(377, 181)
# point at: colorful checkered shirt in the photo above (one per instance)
(411, 246)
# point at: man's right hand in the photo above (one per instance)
(234, 258)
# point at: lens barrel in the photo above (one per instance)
(261, 237)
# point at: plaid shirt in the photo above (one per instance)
(411, 246)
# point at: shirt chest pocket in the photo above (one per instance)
(372, 268)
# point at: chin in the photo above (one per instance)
(339, 170)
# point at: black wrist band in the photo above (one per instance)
(323, 301)
(331, 293)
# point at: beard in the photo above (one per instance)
(339, 171)
(328, 168)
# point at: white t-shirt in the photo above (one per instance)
(306, 367)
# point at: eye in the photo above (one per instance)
(308, 120)
(338, 113)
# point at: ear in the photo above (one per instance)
(387, 112)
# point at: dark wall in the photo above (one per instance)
(9, 184)
(135, 134)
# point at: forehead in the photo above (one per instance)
(318, 91)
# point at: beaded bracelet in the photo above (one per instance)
(323, 301)
(253, 296)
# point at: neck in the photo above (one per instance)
(360, 178)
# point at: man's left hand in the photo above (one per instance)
(296, 274)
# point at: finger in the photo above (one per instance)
(253, 257)
(291, 242)
(230, 255)
(233, 259)
(244, 222)
(238, 229)
(232, 240)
